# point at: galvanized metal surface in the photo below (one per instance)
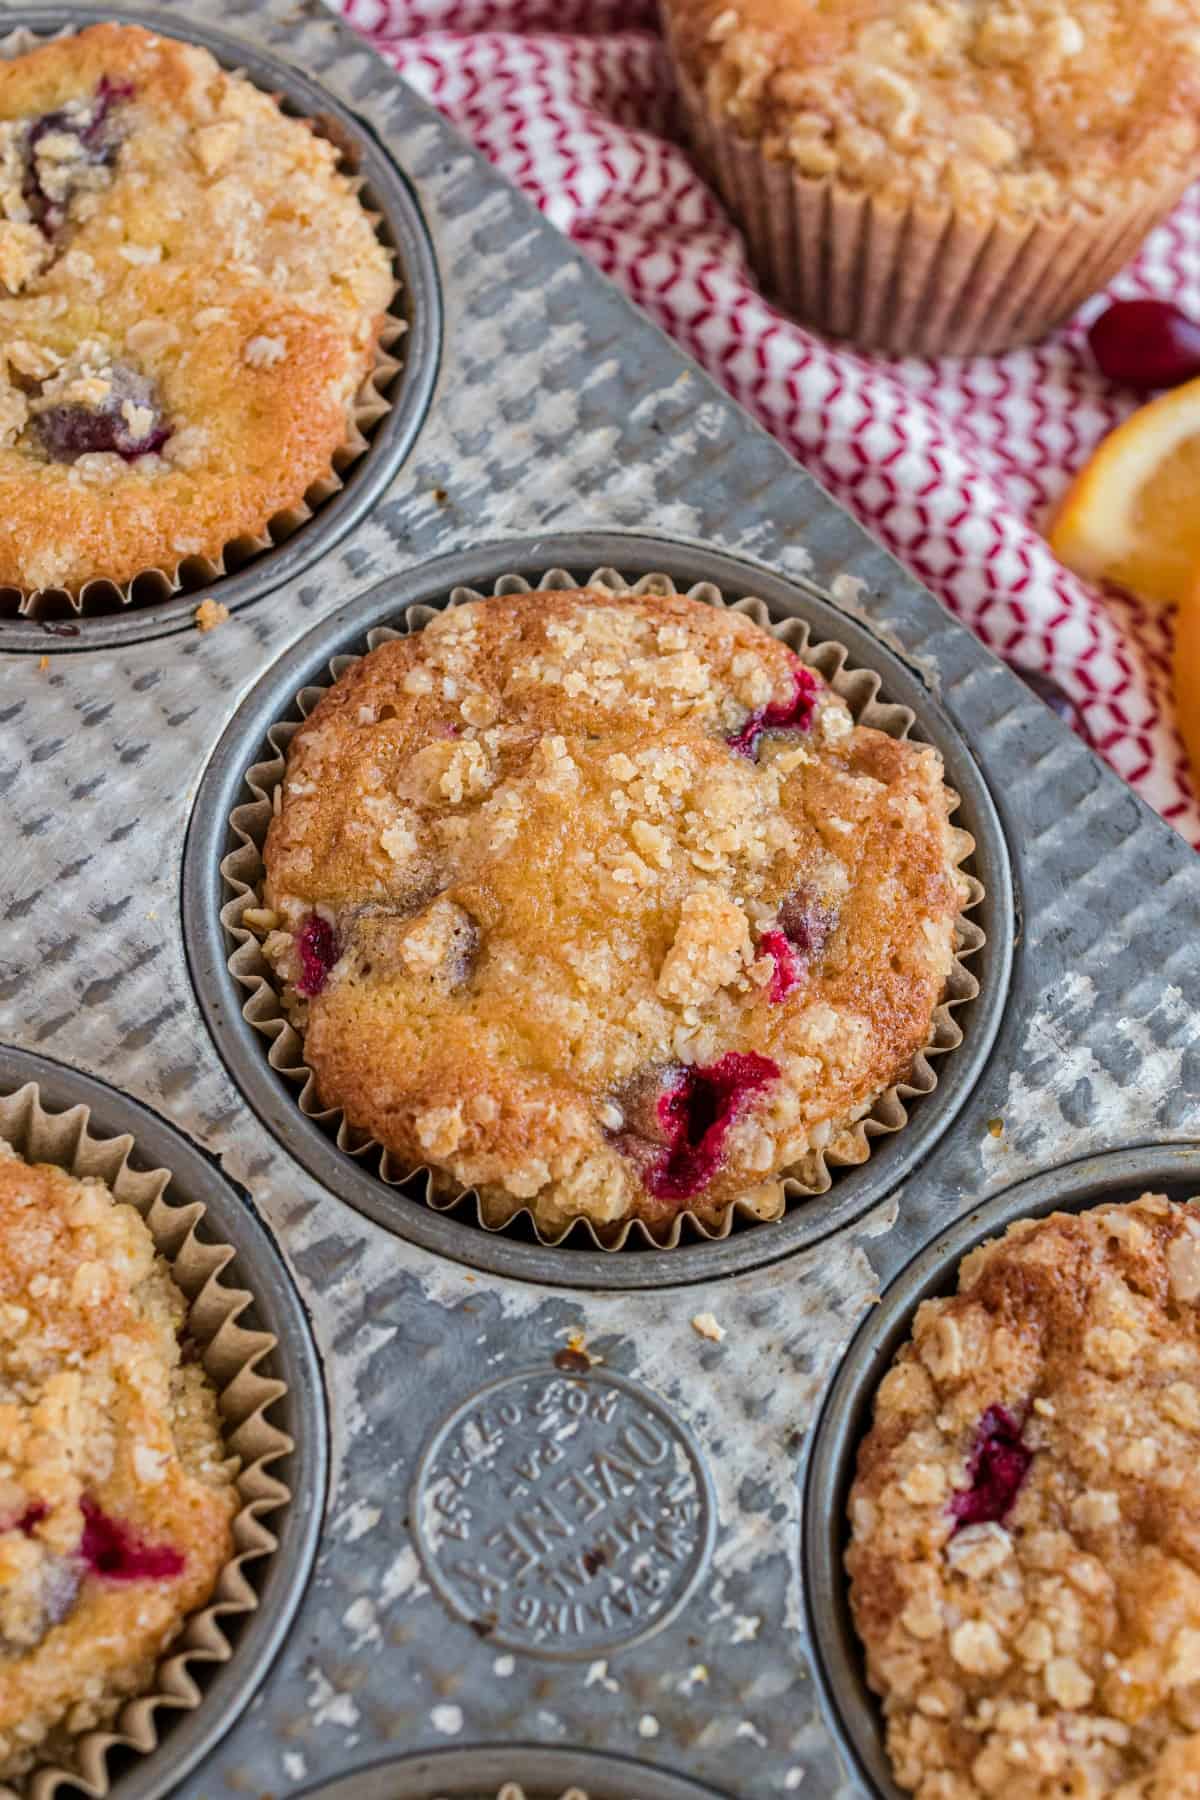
(557, 409)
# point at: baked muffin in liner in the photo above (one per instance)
(242, 872)
(1022, 1558)
(193, 573)
(912, 279)
(231, 1356)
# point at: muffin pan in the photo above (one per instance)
(417, 307)
(662, 1621)
(280, 1577)
(457, 1232)
(845, 1416)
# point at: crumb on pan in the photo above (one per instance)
(211, 613)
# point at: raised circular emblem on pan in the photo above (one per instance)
(563, 1515)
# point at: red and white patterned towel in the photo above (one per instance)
(953, 466)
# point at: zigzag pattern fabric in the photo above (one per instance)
(955, 466)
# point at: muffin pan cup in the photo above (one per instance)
(256, 1347)
(487, 1771)
(468, 1407)
(844, 1418)
(387, 412)
(242, 1008)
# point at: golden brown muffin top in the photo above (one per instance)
(590, 873)
(116, 1494)
(1025, 1559)
(190, 298)
(1028, 107)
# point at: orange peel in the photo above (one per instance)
(1131, 517)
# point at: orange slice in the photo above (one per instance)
(1132, 514)
(1187, 678)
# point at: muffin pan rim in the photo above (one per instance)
(419, 300)
(443, 1771)
(850, 1710)
(227, 1689)
(241, 1049)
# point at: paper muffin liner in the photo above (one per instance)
(192, 574)
(242, 873)
(910, 281)
(231, 1356)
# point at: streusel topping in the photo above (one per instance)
(116, 1494)
(1024, 106)
(190, 298)
(604, 904)
(1025, 1558)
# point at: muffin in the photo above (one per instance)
(191, 297)
(116, 1496)
(936, 177)
(1025, 1552)
(602, 905)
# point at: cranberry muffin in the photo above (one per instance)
(937, 176)
(603, 905)
(1025, 1552)
(191, 296)
(116, 1496)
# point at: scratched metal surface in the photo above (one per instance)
(557, 409)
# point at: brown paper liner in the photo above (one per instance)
(192, 574)
(242, 873)
(910, 281)
(231, 1357)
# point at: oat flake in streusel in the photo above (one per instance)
(191, 294)
(1025, 1553)
(604, 905)
(116, 1494)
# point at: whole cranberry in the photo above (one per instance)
(1146, 344)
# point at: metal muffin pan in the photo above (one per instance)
(478, 1773)
(559, 409)
(854, 1713)
(508, 1252)
(385, 190)
(280, 1578)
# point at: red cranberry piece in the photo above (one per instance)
(70, 431)
(806, 921)
(999, 1464)
(799, 940)
(88, 121)
(1146, 344)
(677, 1124)
(32, 1517)
(794, 714)
(789, 968)
(317, 947)
(640, 1099)
(113, 1552)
